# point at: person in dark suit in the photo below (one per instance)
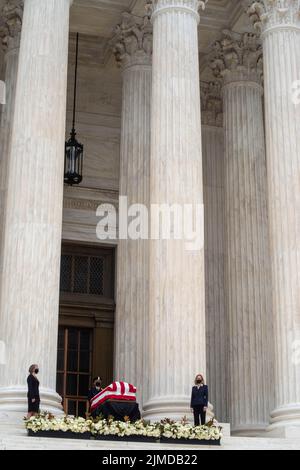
(96, 388)
(33, 394)
(199, 400)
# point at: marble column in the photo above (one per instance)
(2, 95)
(279, 22)
(214, 215)
(133, 51)
(33, 218)
(176, 285)
(2, 83)
(238, 61)
(10, 33)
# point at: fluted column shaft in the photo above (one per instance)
(11, 60)
(132, 258)
(217, 348)
(281, 46)
(247, 257)
(176, 287)
(238, 65)
(216, 319)
(10, 34)
(32, 236)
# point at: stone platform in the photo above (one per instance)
(17, 439)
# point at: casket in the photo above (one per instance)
(117, 391)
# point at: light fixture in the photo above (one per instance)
(73, 149)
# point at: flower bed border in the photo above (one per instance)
(111, 437)
(60, 434)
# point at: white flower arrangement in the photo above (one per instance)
(183, 430)
(102, 427)
(125, 428)
(186, 431)
(48, 422)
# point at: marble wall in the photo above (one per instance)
(98, 127)
(98, 119)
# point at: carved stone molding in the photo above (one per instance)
(266, 15)
(211, 104)
(237, 57)
(89, 199)
(81, 204)
(132, 43)
(84, 204)
(11, 15)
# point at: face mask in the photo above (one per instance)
(199, 381)
(36, 371)
(98, 384)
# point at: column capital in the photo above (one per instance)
(211, 103)
(237, 58)
(11, 24)
(156, 7)
(267, 15)
(132, 42)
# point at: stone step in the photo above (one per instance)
(18, 442)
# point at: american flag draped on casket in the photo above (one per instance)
(115, 391)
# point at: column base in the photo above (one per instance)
(14, 406)
(255, 430)
(172, 408)
(285, 422)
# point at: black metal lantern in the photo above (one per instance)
(73, 149)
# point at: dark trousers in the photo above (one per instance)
(199, 411)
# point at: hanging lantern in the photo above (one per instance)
(73, 160)
(73, 149)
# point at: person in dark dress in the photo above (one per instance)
(96, 388)
(199, 400)
(33, 394)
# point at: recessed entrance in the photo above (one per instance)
(74, 367)
(86, 323)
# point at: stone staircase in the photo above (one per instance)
(16, 439)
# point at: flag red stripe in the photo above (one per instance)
(112, 397)
(111, 392)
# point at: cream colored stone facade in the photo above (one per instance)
(178, 101)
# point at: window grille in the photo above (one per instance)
(82, 274)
